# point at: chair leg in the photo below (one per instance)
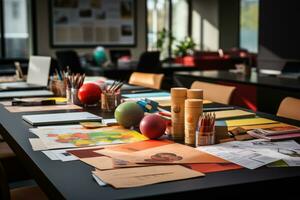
(4, 188)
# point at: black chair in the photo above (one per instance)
(116, 54)
(69, 58)
(149, 62)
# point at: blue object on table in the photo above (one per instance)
(148, 105)
(148, 94)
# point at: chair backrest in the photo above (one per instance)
(4, 188)
(116, 54)
(146, 79)
(69, 58)
(215, 92)
(289, 108)
(149, 62)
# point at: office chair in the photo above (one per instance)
(69, 58)
(29, 192)
(146, 79)
(149, 62)
(116, 54)
(215, 92)
(289, 108)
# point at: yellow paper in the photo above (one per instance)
(141, 176)
(58, 99)
(262, 126)
(233, 113)
(250, 121)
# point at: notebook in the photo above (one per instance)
(60, 118)
(250, 121)
(37, 76)
(146, 95)
(25, 93)
(230, 114)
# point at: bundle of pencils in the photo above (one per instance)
(206, 129)
(74, 80)
(110, 97)
(114, 87)
(206, 122)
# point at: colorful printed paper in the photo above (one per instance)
(70, 138)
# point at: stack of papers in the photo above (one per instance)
(276, 133)
(256, 153)
(145, 158)
(60, 118)
(27, 93)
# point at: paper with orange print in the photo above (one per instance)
(167, 154)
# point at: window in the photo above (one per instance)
(15, 39)
(157, 20)
(166, 15)
(249, 25)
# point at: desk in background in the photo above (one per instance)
(257, 91)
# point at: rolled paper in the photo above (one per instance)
(178, 96)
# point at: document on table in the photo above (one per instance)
(37, 144)
(226, 114)
(41, 108)
(148, 94)
(256, 153)
(60, 118)
(162, 101)
(250, 121)
(27, 93)
(288, 151)
(60, 154)
(167, 154)
(140, 176)
(247, 158)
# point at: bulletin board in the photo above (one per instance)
(86, 23)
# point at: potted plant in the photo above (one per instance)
(184, 51)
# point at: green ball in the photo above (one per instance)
(129, 114)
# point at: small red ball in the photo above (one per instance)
(153, 126)
(89, 93)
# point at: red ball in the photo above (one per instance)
(89, 93)
(153, 126)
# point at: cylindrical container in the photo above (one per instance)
(58, 88)
(74, 96)
(110, 101)
(193, 110)
(178, 96)
(204, 137)
(68, 95)
(195, 94)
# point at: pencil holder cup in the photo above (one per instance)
(204, 137)
(58, 88)
(110, 101)
(74, 96)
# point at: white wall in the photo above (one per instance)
(205, 24)
(43, 40)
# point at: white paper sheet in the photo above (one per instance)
(256, 153)
(60, 154)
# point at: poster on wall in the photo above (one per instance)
(92, 22)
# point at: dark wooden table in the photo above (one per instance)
(73, 180)
(263, 91)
